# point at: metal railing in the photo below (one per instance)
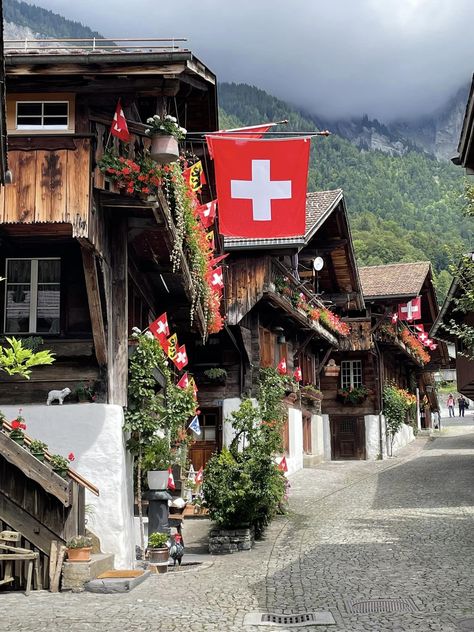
(96, 45)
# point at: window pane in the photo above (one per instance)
(49, 271)
(18, 309)
(29, 120)
(19, 271)
(55, 120)
(55, 109)
(209, 434)
(47, 318)
(29, 109)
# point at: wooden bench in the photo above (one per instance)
(10, 554)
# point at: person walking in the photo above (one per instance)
(462, 405)
(450, 405)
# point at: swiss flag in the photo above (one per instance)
(159, 327)
(171, 484)
(184, 381)
(297, 374)
(199, 476)
(423, 337)
(119, 124)
(254, 131)
(261, 186)
(281, 368)
(420, 327)
(181, 358)
(207, 213)
(216, 278)
(410, 310)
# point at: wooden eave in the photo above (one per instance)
(466, 141)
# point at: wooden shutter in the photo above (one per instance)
(267, 348)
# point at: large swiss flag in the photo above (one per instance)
(261, 186)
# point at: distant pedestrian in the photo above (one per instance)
(462, 405)
(450, 405)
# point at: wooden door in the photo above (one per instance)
(347, 437)
(307, 438)
(209, 441)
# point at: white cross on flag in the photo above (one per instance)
(261, 186)
(159, 327)
(410, 310)
(217, 278)
(181, 358)
(119, 124)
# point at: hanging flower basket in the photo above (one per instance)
(164, 149)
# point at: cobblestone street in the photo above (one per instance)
(357, 530)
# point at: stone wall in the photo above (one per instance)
(225, 541)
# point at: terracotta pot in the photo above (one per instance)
(79, 555)
(164, 149)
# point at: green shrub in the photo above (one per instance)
(157, 540)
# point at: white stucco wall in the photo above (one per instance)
(327, 438)
(403, 437)
(93, 432)
(295, 425)
(228, 406)
(317, 435)
(372, 437)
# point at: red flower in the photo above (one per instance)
(16, 425)
(71, 456)
(23, 426)
(145, 190)
(126, 171)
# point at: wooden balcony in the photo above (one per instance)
(398, 346)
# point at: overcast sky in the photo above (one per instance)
(386, 58)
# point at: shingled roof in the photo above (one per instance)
(319, 204)
(394, 279)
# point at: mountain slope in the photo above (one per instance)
(402, 208)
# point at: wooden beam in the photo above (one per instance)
(34, 469)
(26, 524)
(325, 359)
(328, 246)
(95, 306)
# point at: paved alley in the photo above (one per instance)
(401, 528)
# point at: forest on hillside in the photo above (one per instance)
(402, 208)
(42, 21)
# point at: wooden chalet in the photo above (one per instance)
(380, 351)
(271, 288)
(83, 263)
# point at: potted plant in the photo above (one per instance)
(18, 427)
(216, 375)
(165, 134)
(156, 461)
(60, 464)
(312, 393)
(158, 552)
(85, 393)
(79, 549)
(353, 395)
(37, 449)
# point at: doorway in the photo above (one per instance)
(204, 446)
(347, 437)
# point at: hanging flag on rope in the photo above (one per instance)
(172, 349)
(298, 375)
(181, 358)
(216, 278)
(195, 177)
(261, 186)
(254, 131)
(394, 317)
(119, 124)
(283, 466)
(211, 240)
(195, 426)
(433, 346)
(420, 328)
(423, 337)
(207, 213)
(281, 368)
(184, 382)
(159, 327)
(216, 260)
(411, 310)
(199, 476)
(171, 484)
(195, 388)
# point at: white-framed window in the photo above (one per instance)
(42, 115)
(32, 296)
(351, 373)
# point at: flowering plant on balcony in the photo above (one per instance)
(18, 427)
(333, 322)
(165, 126)
(415, 346)
(141, 175)
(353, 395)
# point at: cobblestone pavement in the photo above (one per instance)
(356, 530)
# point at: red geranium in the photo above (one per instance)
(71, 456)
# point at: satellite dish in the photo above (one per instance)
(318, 264)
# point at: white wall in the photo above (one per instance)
(228, 406)
(295, 426)
(372, 437)
(327, 438)
(403, 437)
(93, 432)
(317, 436)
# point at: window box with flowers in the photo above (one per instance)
(60, 464)
(311, 397)
(165, 134)
(17, 433)
(353, 395)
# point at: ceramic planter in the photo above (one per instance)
(62, 473)
(79, 555)
(164, 149)
(39, 456)
(157, 479)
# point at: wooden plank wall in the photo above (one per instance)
(246, 278)
(49, 186)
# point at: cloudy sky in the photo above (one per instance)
(386, 58)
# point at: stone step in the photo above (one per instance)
(115, 584)
(77, 574)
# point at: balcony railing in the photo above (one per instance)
(95, 45)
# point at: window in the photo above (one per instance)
(351, 373)
(32, 294)
(53, 115)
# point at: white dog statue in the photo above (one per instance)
(59, 395)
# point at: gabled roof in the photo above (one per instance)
(319, 204)
(394, 279)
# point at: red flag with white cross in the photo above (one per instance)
(119, 124)
(183, 382)
(281, 368)
(207, 213)
(216, 278)
(261, 186)
(181, 358)
(159, 327)
(282, 466)
(410, 310)
(298, 375)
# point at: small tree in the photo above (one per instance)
(396, 404)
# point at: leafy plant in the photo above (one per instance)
(216, 373)
(397, 402)
(60, 463)
(79, 542)
(165, 126)
(19, 360)
(157, 540)
(157, 455)
(353, 395)
(311, 391)
(37, 446)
